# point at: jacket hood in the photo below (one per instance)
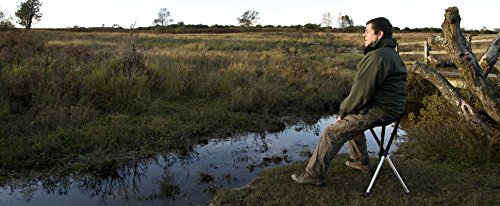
(384, 42)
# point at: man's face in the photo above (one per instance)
(370, 35)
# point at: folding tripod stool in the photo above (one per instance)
(384, 154)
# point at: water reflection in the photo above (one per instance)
(175, 179)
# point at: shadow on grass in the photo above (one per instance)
(429, 184)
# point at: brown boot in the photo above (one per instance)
(308, 179)
(366, 168)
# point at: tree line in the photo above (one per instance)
(28, 13)
(251, 18)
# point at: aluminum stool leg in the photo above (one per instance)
(397, 175)
(375, 175)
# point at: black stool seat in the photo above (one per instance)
(384, 154)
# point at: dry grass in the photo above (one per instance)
(429, 184)
(93, 95)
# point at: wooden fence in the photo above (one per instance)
(427, 48)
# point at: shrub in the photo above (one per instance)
(129, 61)
(6, 25)
(18, 86)
(417, 88)
(441, 134)
(18, 45)
(127, 83)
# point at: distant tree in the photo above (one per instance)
(249, 18)
(327, 19)
(163, 18)
(354, 29)
(296, 27)
(27, 12)
(5, 24)
(313, 27)
(345, 21)
(484, 30)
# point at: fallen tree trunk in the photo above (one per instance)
(490, 58)
(449, 92)
(460, 52)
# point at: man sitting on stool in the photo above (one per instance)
(378, 95)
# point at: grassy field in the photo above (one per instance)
(89, 103)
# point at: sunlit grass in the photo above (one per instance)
(88, 103)
(67, 87)
(80, 42)
(429, 184)
(82, 96)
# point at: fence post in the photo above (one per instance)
(469, 38)
(426, 51)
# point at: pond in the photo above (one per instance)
(181, 180)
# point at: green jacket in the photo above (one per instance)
(379, 87)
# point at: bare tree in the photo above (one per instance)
(327, 19)
(485, 111)
(249, 18)
(29, 11)
(163, 18)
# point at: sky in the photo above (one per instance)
(402, 13)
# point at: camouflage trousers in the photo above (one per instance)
(349, 129)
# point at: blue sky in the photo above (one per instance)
(412, 14)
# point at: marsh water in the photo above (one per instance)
(174, 179)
